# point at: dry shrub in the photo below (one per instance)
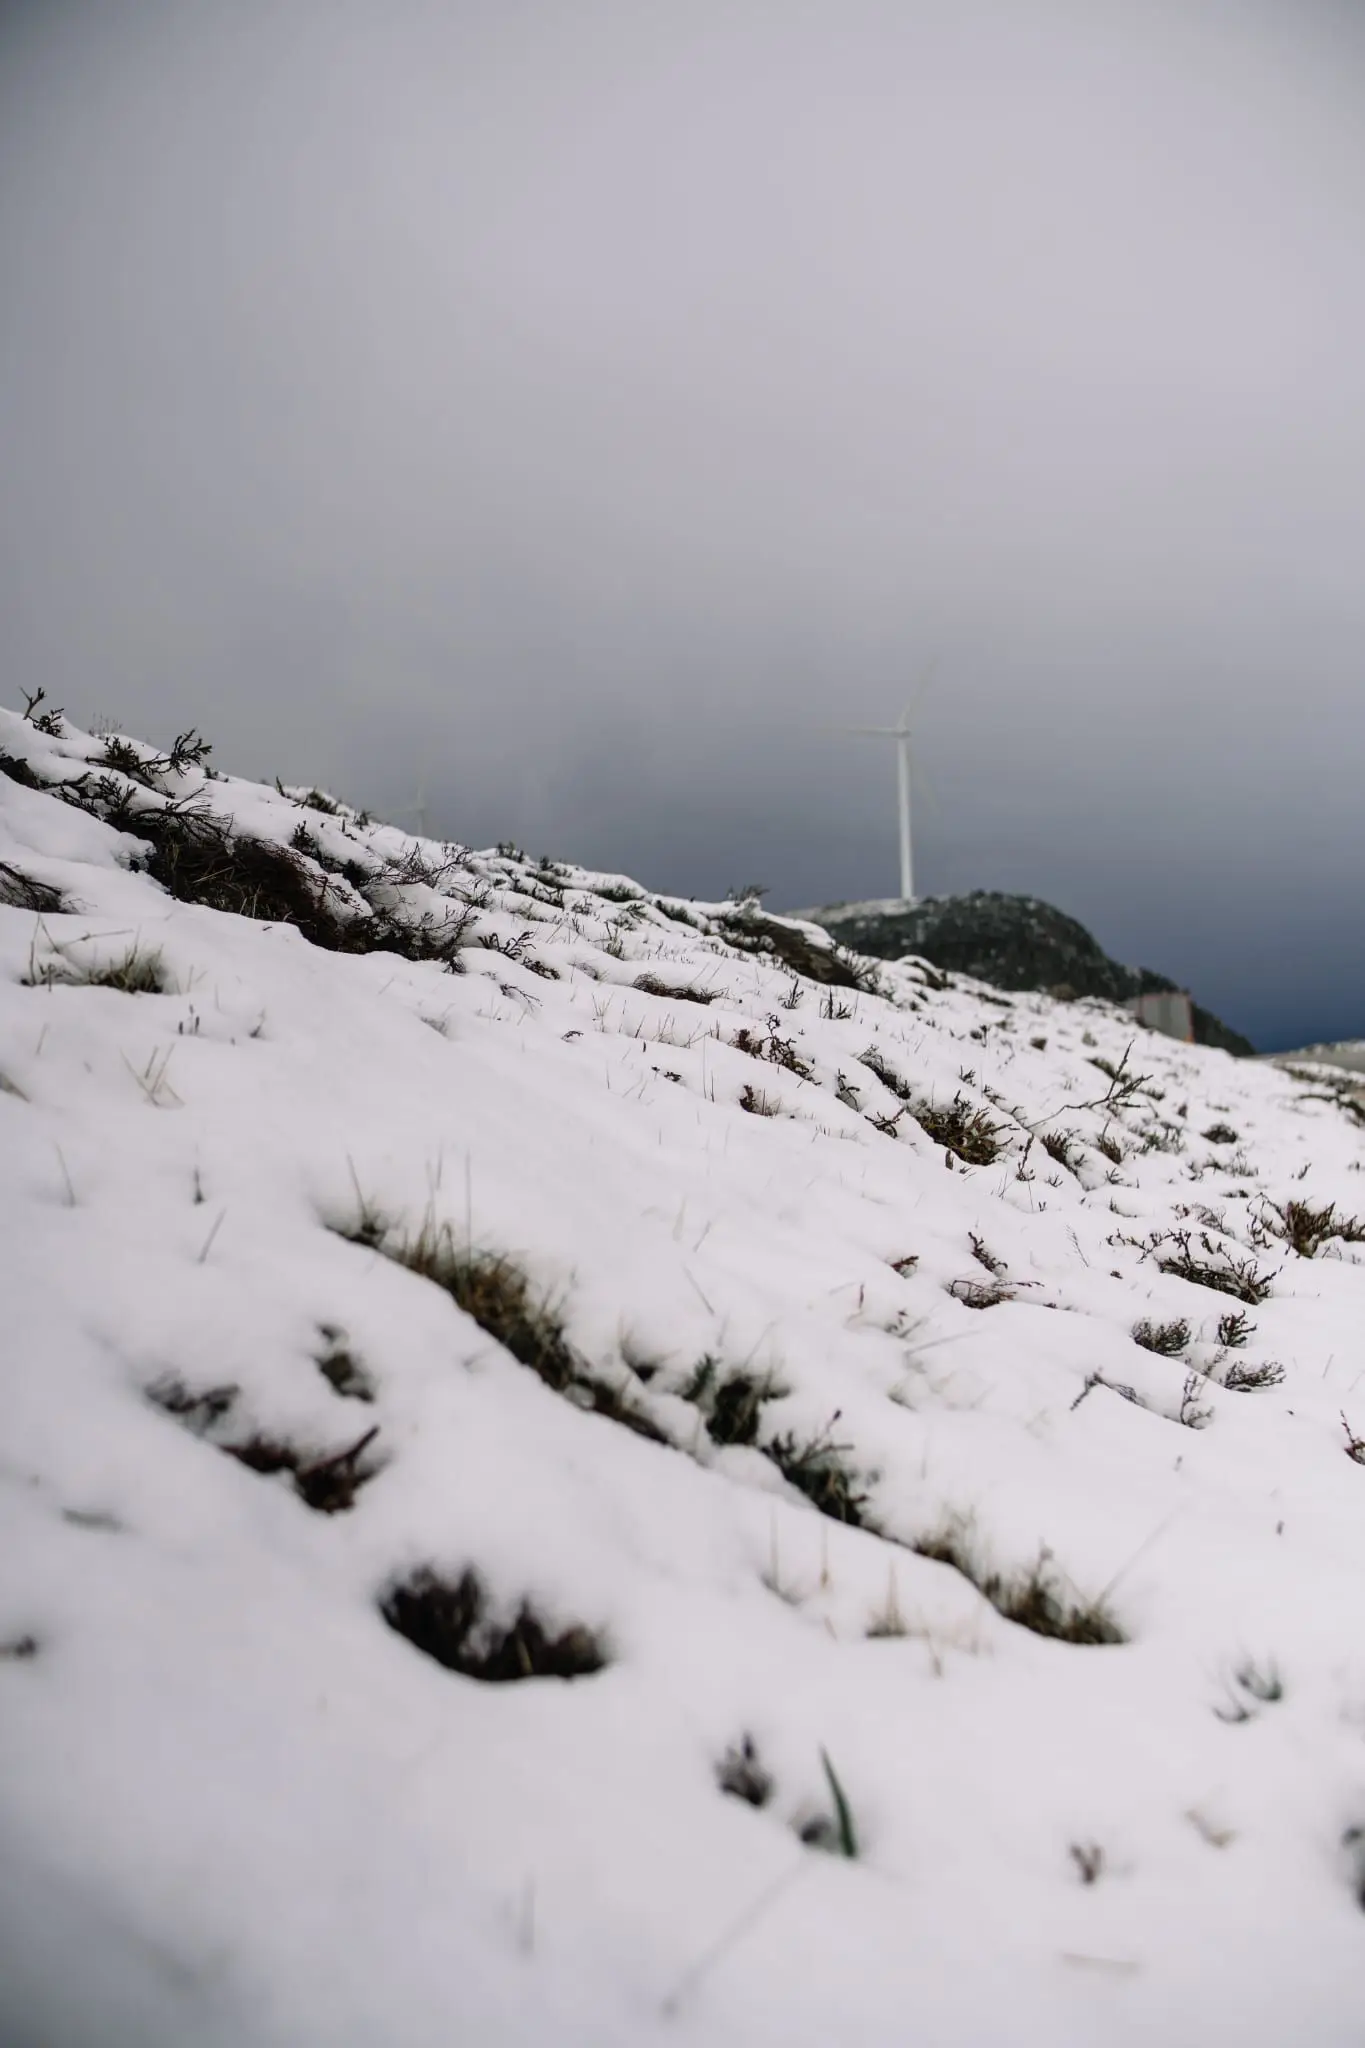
(962, 1129)
(1038, 1598)
(1306, 1226)
(1167, 1340)
(449, 1621)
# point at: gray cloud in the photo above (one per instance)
(593, 409)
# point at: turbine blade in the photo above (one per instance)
(922, 686)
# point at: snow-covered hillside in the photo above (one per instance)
(579, 1468)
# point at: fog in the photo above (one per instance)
(583, 415)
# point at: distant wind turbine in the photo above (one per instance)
(418, 809)
(900, 733)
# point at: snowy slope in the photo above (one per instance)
(813, 1406)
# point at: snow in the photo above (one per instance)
(236, 1807)
(1348, 1053)
(874, 906)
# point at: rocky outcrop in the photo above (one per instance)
(1013, 942)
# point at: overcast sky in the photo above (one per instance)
(591, 409)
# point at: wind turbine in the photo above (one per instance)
(418, 810)
(900, 733)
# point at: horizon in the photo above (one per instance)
(770, 896)
(800, 911)
(766, 892)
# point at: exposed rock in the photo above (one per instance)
(1016, 942)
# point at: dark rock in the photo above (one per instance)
(1015, 942)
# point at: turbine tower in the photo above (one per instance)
(900, 733)
(417, 810)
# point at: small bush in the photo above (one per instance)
(19, 891)
(307, 843)
(1124, 1084)
(328, 1485)
(19, 771)
(1264, 1683)
(199, 1412)
(1037, 1601)
(981, 1293)
(756, 1102)
(133, 973)
(984, 1257)
(963, 1130)
(1119, 1387)
(1241, 1278)
(49, 722)
(1190, 1413)
(1167, 1340)
(327, 1481)
(1036, 1598)
(494, 1290)
(136, 974)
(1235, 1329)
(731, 1403)
(1058, 1145)
(1249, 1379)
(819, 1468)
(1220, 1134)
(741, 1774)
(200, 858)
(187, 751)
(679, 913)
(341, 1369)
(651, 985)
(736, 1406)
(779, 1052)
(873, 1060)
(1218, 1268)
(449, 1621)
(126, 759)
(1305, 1227)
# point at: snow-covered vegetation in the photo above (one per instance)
(578, 1467)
